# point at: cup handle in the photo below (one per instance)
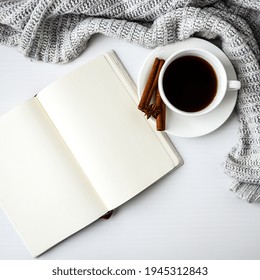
(233, 85)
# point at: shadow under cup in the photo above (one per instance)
(193, 82)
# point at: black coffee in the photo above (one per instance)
(190, 83)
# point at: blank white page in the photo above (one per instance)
(96, 115)
(42, 188)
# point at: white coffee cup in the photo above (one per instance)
(223, 84)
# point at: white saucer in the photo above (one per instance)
(186, 126)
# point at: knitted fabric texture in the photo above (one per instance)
(57, 31)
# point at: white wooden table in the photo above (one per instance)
(189, 214)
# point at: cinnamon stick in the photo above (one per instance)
(154, 87)
(157, 110)
(144, 99)
(161, 117)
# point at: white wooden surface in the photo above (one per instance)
(190, 214)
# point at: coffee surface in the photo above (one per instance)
(190, 83)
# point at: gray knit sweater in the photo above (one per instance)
(57, 31)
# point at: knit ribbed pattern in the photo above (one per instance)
(57, 31)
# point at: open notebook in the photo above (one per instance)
(77, 150)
